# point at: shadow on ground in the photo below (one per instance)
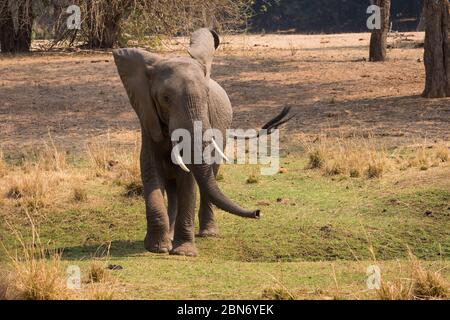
(119, 248)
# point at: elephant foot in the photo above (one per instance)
(157, 245)
(184, 249)
(211, 231)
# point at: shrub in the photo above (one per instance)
(134, 189)
(253, 178)
(316, 159)
(442, 152)
(375, 170)
(79, 195)
(354, 173)
(97, 272)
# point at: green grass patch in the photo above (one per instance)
(309, 222)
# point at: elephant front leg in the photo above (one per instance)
(157, 239)
(183, 243)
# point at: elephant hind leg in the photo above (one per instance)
(172, 206)
(208, 226)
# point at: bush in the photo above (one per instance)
(375, 170)
(134, 189)
(79, 195)
(316, 159)
(253, 178)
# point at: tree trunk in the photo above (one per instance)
(437, 49)
(7, 33)
(25, 26)
(16, 38)
(378, 40)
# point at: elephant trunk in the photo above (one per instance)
(203, 173)
(207, 183)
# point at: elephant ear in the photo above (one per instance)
(204, 43)
(133, 65)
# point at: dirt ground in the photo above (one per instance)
(326, 79)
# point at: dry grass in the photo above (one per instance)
(351, 157)
(31, 187)
(421, 284)
(41, 277)
(442, 152)
(123, 166)
(37, 273)
(79, 194)
(129, 169)
(398, 289)
(32, 184)
(365, 157)
(277, 293)
(46, 180)
(424, 156)
(420, 159)
(101, 291)
(51, 158)
(3, 165)
(292, 49)
(4, 285)
(101, 155)
(97, 272)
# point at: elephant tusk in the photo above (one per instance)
(219, 151)
(179, 159)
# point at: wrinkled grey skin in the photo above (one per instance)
(168, 94)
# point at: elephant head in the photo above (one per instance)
(172, 93)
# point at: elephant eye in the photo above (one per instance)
(166, 98)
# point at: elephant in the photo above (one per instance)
(168, 94)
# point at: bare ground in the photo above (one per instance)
(324, 78)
